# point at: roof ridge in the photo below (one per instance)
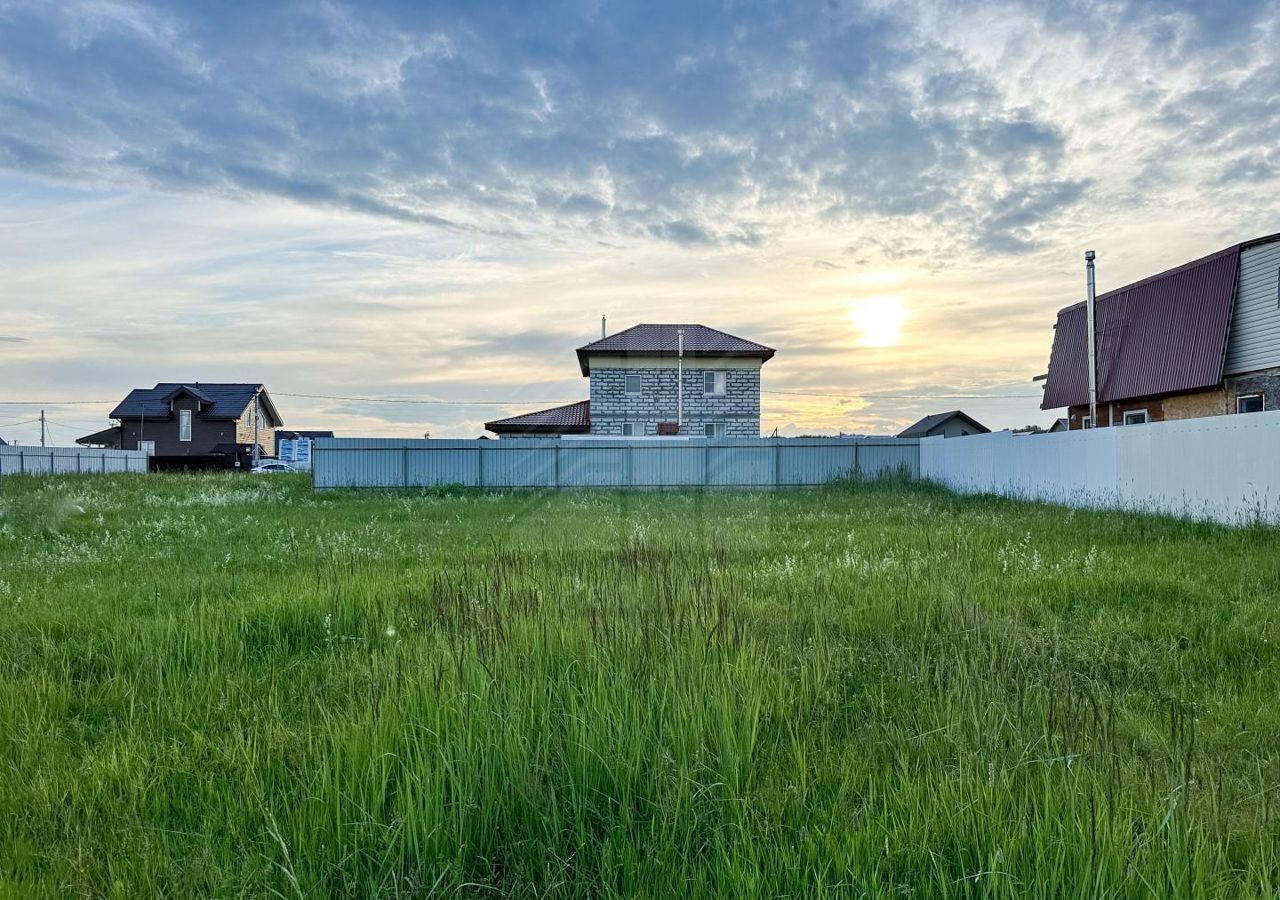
(1186, 266)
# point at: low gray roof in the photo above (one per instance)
(227, 401)
(928, 423)
(663, 340)
(105, 436)
(572, 418)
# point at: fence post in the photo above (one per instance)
(480, 463)
(404, 466)
(556, 464)
(777, 462)
(857, 468)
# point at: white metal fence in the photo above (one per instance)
(69, 460)
(1223, 468)
(553, 463)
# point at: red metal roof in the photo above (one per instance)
(663, 340)
(572, 418)
(1160, 335)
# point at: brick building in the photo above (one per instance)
(658, 380)
(1201, 339)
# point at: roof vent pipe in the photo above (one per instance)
(603, 334)
(1091, 328)
(679, 377)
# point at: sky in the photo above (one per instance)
(438, 201)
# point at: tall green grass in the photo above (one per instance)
(233, 687)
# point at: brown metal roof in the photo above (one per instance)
(572, 418)
(1160, 335)
(663, 340)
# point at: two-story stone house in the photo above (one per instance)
(658, 380)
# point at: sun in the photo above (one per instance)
(878, 319)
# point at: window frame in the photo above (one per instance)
(1260, 397)
(719, 383)
(633, 426)
(1124, 417)
(148, 447)
(626, 384)
(185, 419)
(716, 429)
(1086, 422)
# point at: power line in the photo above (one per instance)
(909, 396)
(55, 402)
(439, 402)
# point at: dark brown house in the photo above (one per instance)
(1201, 339)
(194, 420)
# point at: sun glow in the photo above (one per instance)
(878, 319)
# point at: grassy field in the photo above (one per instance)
(233, 687)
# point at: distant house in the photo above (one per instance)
(194, 419)
(1202, 339)
(947, 424)
(294, 447)
(656, 380)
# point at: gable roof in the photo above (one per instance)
(572, 418)
(664, 340)
(928, 423)
(226, 401)
(1161, 335)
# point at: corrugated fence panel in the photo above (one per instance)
(70, 461)
(510, 464)
(803, 462)
(523, 463)
(744, 465)
(656, 464)
(593, 463)
(443, 465)
(879, 458)
(1220, 468)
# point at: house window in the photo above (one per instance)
(148, 447)
(1251, 403)
(713, 383)
(713, 429)
(631, 429)
(1086, 422)
(1135, 417)
(184, 424)
(631, 384)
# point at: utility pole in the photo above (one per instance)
(42, 428)
(1091, 327)
(256, 419)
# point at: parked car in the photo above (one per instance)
(271, 467)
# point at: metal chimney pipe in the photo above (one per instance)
(603, 334)
(1091, 326)
(679, 378)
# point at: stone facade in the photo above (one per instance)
(738, 408)
(1265, 382)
